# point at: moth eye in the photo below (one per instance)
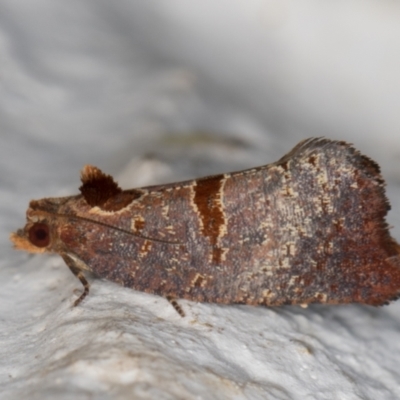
(39, 235)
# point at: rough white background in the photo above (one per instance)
(155, 91)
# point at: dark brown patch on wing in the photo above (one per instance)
(139, 224)
(121, 200)
(97, 187)
(207, 198)
(100, 190)
(198, 281)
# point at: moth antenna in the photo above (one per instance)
(119, 229)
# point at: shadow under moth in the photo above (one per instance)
(309, 228)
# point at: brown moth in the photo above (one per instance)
(309, 228)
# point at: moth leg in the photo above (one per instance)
(79, 274)
(175, 304)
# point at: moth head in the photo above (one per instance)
(38, 234)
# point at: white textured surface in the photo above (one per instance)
(158, 91)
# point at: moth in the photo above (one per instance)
(309, 228)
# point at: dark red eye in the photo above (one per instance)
(39, 235)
